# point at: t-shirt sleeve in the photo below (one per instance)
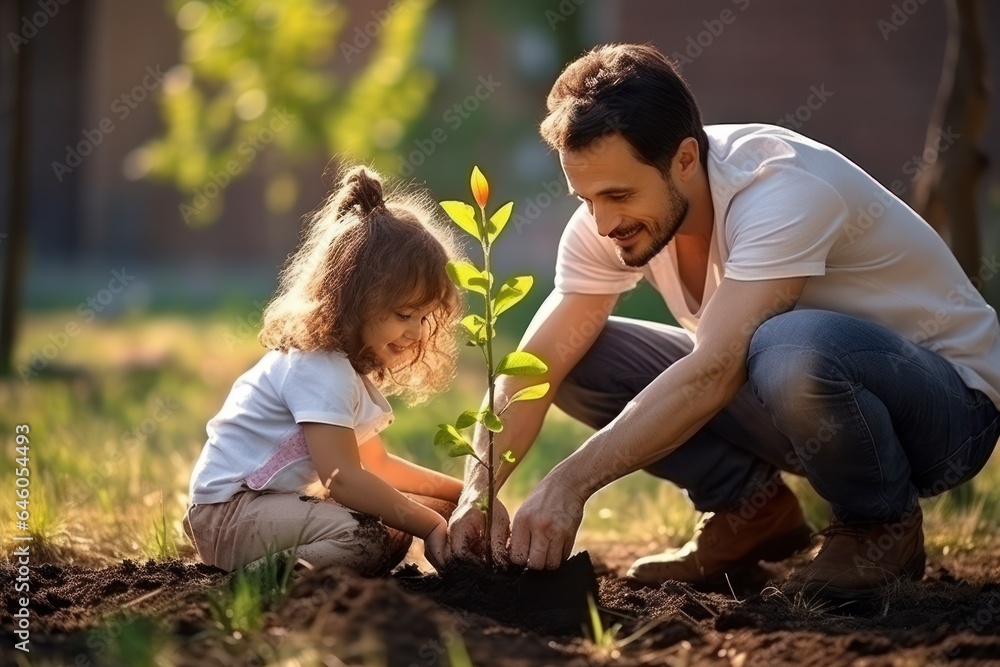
(587, 263)
(321, 387)
(783, 225)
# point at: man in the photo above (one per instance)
(826, 331)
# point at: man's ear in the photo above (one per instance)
(687, 159)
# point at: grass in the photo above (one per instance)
(163, 541)
(238, 608)
(138, 641)
(118, 420)
(604, 639)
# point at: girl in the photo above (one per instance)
(294, 459)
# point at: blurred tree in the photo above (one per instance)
(262, 75)
(15, 242)
(945, 193)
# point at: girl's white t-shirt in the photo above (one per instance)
(788, 206)
(256, 441)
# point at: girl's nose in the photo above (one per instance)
(413, 332)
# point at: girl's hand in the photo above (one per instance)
(436, 543)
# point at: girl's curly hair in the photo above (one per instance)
(360, 257)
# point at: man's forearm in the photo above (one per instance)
(656, 422)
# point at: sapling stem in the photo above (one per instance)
(481, 332)
(491, 379)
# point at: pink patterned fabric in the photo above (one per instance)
(291, 448)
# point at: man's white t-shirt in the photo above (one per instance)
(257, 442)
(788, 206)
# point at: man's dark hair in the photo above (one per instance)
(627, 89)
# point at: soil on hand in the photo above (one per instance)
(82, 616)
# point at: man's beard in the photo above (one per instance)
(677, 210)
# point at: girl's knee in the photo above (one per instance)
(368, 547)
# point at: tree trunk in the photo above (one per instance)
(945, 193)
(15, 244)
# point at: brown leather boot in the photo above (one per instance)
(857, 559)
(731, 542)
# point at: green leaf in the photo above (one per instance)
(508, 456)
(466, 419)
(446, 434)
(467, 276)
(511, 292)
(449, 438)
(499, 220)
(490, 421)
(532, 393)
(460, 449)
(463, 215)
(476, 326)
(521, 363)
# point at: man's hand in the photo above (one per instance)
(436, 545)
(545, 526)
(467, 529)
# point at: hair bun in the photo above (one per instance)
(361, 188)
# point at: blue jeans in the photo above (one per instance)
(871, 419)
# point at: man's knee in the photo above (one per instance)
(785, 364)
(774, 332)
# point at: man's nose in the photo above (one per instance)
(606, 220)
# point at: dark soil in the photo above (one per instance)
(83, 617)
(547, 603)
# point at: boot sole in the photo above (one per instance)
(912, 571)
(778, 549)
